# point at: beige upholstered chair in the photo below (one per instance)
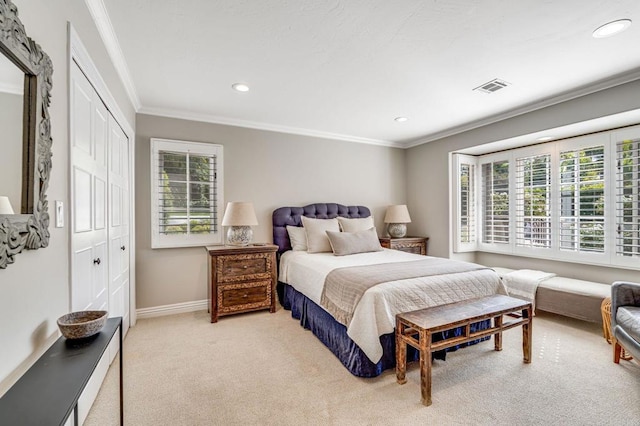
(625, 319)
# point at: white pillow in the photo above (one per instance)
(298, 238)
(344, 243)
(316, 230)
(355, 225)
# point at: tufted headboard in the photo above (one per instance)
(284, 216)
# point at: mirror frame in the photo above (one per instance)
(29, 230)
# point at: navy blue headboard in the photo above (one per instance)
(291, 216)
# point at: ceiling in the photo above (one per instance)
(345, 69)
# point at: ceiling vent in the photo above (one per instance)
(492, 86)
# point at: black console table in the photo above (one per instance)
(48, 392)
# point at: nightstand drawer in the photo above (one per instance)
(244, 267)
(409, 248)
(417, 245)
(244, 296)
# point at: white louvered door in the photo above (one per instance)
(100, 208)
(89, 175)
(118, 223)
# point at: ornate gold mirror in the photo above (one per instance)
(25, 148)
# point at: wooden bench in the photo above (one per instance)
(416, 328)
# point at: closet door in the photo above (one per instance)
(89, 175)
(118, 223)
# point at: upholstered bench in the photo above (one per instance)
(569, 297)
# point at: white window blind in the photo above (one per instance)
(495, 202)
(467, 221)
(533, 201)
(582, 200)
(628, 198)
(185, 199)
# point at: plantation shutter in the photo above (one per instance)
(582, 200)
(533, 201)
(186, 193)
(467, 222)
(495, 202)
(628, 198)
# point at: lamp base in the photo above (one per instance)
(239, 235)
(397, 230)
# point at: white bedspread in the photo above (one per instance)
(375, 314)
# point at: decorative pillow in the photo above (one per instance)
(354, 225)
(298, 238)
(344, 243)
(316, 230)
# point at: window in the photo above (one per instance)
(186, 192)
(495, 202)
(582, 200)
(575, 200)
(628, 198)
(465, 206)
(533, 201)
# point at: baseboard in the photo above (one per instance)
(177, 308)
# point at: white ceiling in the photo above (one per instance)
(347, 68)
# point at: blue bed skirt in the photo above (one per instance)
(334, 335)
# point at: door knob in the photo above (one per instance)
(122, 248)
(96, 261)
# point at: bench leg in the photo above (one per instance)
(527, 334)
(425, 367)
(401, 355)
(497, 323)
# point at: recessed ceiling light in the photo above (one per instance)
(401, 119)
(240, 87)
(544, 138)
(612, 28)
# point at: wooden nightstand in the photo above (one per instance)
(417, 245)
(241, 279)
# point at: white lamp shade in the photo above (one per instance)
(5, 205)
(397, 214)
(239, 214)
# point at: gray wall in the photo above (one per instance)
(271, 170)
(34, 291)
(428, 177)
(11, 143)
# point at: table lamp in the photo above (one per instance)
(397, 217)
(239, 217)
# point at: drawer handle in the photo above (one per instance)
(245, 266)
(245, 295)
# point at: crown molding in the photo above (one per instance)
(100, 17)
(583, 91)
(169, 113)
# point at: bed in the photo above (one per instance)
(363, 337)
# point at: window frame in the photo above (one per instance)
(159, 240)
(528, 152)
(460, 245)
(491, 246)
(618, 136)
(609, 257)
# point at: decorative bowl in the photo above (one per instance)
(78, 325)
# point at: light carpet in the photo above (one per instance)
(262, 368)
